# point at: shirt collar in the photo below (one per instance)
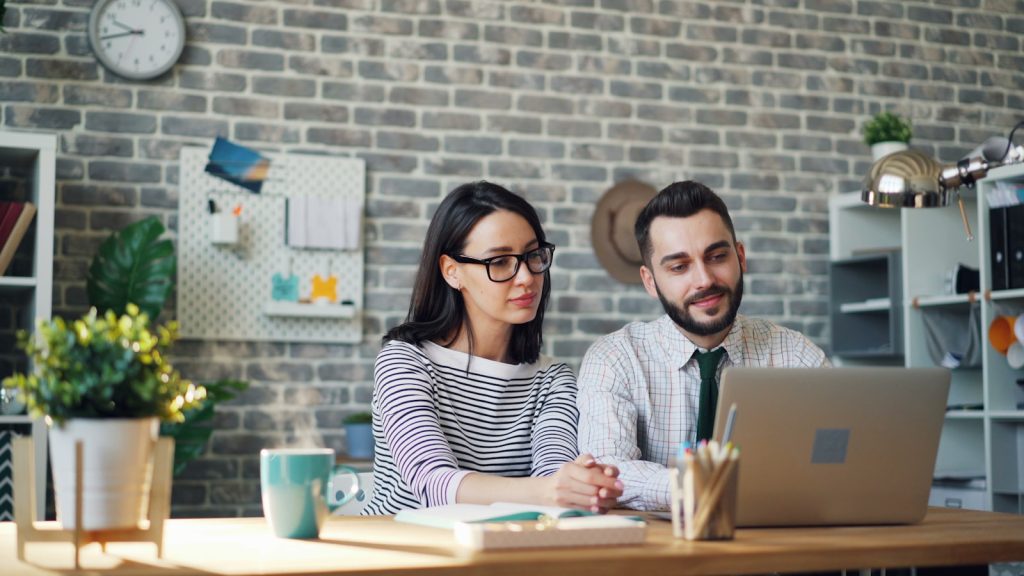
(678, 349)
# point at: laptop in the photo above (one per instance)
(833, 446)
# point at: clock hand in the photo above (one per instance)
(116, 23)
(121, 34)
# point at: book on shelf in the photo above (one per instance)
(9, 212)
(505, 525)
(10, 241)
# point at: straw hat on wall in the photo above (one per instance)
(611, 230)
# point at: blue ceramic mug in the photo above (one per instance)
(297, 486)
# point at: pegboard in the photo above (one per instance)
(223, 290)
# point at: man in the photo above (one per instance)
(641, 391)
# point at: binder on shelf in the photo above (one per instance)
(997, 249)
(9, 212)
(18, 229)
(1015, 246)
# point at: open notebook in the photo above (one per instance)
(508, 525)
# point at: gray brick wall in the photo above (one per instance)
(558, 100)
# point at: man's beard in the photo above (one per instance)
(684, 320)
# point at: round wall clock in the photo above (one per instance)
(137, 39)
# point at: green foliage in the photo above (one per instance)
(886, 127)
(132, 266)
(104, 367)
(3, 11)
(192, 434)
(358, 418)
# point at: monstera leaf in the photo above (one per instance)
(132, 266)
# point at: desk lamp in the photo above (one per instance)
(912, 179)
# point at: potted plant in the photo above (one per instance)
(886, 133)
(359, 435)
(104, 381)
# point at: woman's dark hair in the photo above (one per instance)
(437, 311)
(678, 200)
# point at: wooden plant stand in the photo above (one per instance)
(29, 530)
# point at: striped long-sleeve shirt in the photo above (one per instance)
(434, 422)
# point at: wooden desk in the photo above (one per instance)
(375, 545)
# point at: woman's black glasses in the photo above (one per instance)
(504, 267)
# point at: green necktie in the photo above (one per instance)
(708, 362)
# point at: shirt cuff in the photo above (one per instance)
(453, 485)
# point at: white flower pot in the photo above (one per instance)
(116, 471)
(881, 149)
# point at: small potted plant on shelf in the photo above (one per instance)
(886, 133)
(104, 381)
(359, 435)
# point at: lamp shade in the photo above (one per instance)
(905, 179)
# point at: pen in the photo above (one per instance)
(730, 421)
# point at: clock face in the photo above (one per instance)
(137, 38)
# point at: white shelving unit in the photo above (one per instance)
(983, 436)
(33, 157)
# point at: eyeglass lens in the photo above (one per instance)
(505, 267)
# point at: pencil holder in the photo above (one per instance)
(223, 228)
(708, 501)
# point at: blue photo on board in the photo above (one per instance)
(238, 165)
(286, 289)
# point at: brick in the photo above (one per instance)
(598, 152)
(233, 106)
(518, 80)
(929, 15)
(483, 99)
(330, 67)
(411, 188)
(996, 41)
(279, 86)
(453, 167)
(695, 95)
(64, 70)
(543, 60)
(513, 35)
(284, 40)
(353, 92)
(606, 108)
(134, 172)
(475, 10)
(29, 92)
(407, 141)
(824, 164)
(577, 85)
(154, 100)
(472, 145)
(604, 65)
(213, 81)
(634, 47)
(243, 13)
(41, 118)
(663, 27)
(250, 60)
(80, 195)
(120, 122)
(385, 117)
(935, 93)
(247, 131)
(693, 136)
(482, 54)
(884, 8)
(417, 50)
(190, 126)
(215, 33)
(453, 75)
(388, 162)
(536, 149)
(397, 71)
(29, 43)
(10, 67)
(597, 21)
(450, 121)
(536, 15)
(517, 124)
(513, 169)
(545, 104)
(664, 70)
(573, 128)
(579, 172)
(349, 45)
(339, 137)
(55, 20)
(320, 19)
(92, 145)
(575, 42)
(411, 6)
(767, 38)
(645, 90)
(846, 25)
(191, 55)
(664, 113)
(691, 53)
(450, 30)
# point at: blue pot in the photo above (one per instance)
(359, 441)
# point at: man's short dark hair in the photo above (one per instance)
(678, 200)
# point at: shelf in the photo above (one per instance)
(297, 310)
(18, 419)
(884, 352)
(1007, 415)
(872, 305)
(1015, 294)
(965, 414)
(941, 300)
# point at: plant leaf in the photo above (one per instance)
(132, 266)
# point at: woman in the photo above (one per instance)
(465, 408)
